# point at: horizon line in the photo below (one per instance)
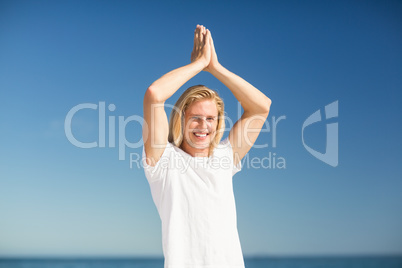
(246, 256)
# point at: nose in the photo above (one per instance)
(203, 123)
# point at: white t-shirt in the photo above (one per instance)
(195, 200)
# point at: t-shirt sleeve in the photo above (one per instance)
(157, 172)
(229, 150)
(156, 175)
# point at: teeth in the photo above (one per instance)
(200, 135)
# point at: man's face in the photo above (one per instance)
(200, 122)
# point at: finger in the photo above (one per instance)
(207, 34)
(211, 39)
(198, 37)
(195, 40)
(196, 32)
(201, 36)
(207, 37)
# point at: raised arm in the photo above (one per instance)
(155, 128)
(255, 104)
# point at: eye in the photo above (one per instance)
(211, 119)
(196, 119)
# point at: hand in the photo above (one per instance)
(214, 63)
(202, 46)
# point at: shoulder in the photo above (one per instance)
(157, 170)
(224, 149)
(224, 146)
(149, 162)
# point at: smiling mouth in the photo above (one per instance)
(200, 135)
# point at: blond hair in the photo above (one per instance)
(191, 95)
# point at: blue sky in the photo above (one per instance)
(60, 200)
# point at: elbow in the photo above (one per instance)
(152, 95)
(267, 106)
(261, 108)
(269, 102)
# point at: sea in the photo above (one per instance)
(251, 262)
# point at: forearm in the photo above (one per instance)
(168, 84)
(252, 100)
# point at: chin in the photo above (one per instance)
(198, 144)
